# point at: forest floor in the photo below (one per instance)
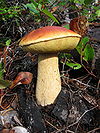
(77, 107)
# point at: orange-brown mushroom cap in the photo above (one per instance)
(50, 39)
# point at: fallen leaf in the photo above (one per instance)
(79, 25)
(22, 78)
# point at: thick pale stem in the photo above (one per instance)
(48, 81)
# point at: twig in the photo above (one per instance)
(94, 130)
(4, 112)
(77, 81)
(82, 116)
(98, 85)
(52, 125)
(8, 29)
(69, 131)
(83, 83)
(66, 128)
(91, 73)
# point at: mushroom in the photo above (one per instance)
(47, 42)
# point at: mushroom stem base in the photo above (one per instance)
(48, 81)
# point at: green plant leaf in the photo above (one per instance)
(1, 71)
(79, 1)
(32, 8)
(85, 40)
(88, 1)
(39, 7)
(82, 44)
(40, 1)
(4, 83)
(88, 53)
(65, 55)
(35, 3)
(66, 26)
(45, 11)
(8, 42)
(98, 13)
(74, 65)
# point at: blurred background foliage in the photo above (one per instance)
(17, 17)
